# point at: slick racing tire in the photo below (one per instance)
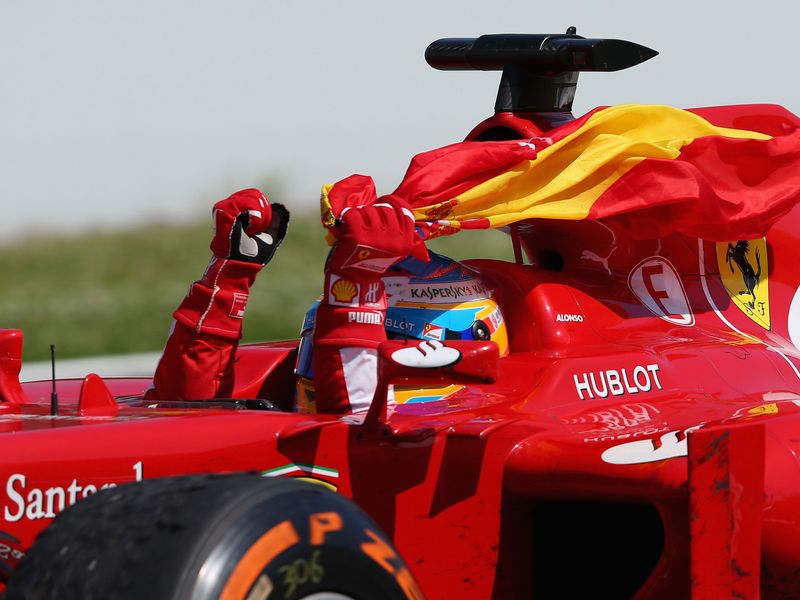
(227, 537)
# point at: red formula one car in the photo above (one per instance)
(638, 439)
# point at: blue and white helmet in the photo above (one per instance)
(439, 300)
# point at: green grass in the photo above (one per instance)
(114, 292)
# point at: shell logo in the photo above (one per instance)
(344, 290)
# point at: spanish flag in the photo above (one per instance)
(717, 174)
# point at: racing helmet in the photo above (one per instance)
(437, 300)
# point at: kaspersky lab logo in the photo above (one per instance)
(657, 285)
(743, 268)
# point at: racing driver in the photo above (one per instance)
(349, 321)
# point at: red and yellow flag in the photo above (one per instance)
(659, 168)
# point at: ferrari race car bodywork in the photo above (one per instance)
(639, 437)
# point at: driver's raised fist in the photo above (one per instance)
(247, 227)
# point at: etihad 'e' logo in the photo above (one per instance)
(657, 285)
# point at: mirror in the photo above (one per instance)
(427, 362)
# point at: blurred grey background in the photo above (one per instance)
(112, 113)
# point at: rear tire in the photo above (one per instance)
(204, 537)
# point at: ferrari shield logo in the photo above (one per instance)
(743, 268)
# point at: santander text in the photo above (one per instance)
(37, 503)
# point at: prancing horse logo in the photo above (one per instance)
(744, 270)
(738, 254)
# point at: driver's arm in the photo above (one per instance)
(350, 320)
(197, 362)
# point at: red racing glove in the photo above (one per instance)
(247, 232)
(197, 362)
(350, 319)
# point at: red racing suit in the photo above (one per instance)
(197, 362)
